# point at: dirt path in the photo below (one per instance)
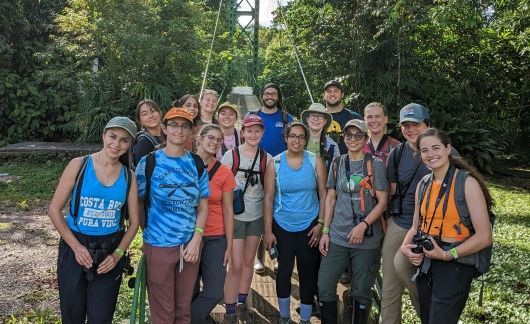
(28, 256)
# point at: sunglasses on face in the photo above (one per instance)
(356, 136)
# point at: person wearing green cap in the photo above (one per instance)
(102, 192)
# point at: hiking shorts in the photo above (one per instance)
(243, 229)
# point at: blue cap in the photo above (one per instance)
(413, 112)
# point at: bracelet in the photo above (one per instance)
(119, 252)
(199, 230)
(367, 225)
(321, 221)
(448, 255)
(454, 253)
(325, 230)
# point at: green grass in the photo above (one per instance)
(36, 184)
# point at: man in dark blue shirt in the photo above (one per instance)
(333, 95)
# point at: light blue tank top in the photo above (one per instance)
(298, 205)
(99, 206)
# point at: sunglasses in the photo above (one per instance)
(356, 136)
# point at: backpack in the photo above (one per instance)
(150, 163)
(79, 184)
(312, 159)
(143, 134)
(481, 259)
(236, 159)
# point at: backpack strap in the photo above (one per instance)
(124, 207)
(262, 166)
(150, 163)
(330, 153)
(236, 137)
(78, 185)
(214, 169)
(460, 199)
(277, 163)
(199, 164)
(235, 160)
(285, 118)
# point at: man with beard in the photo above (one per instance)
(275, 119)
(333, 95)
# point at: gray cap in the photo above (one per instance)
(334, 83)
(360, 124)
(123, 123)
(317, 108)
(413, 112)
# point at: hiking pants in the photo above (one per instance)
(81, 299)
(212, 272)
(397, 271)
(293, 245)
(443, 291)
(365, 265)
(169, 290)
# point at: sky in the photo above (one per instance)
(266, 7)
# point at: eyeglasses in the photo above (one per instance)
(270, 94)
(293, 137)
(184, 127)
(316, 116)
(356, 136)
(212, 138)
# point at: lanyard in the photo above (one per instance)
(382, 143)
(443, 193)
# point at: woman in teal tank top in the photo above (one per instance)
(93, 238)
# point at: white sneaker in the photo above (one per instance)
(258, 267)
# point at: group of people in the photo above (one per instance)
(329, 192)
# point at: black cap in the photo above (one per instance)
(334, 83)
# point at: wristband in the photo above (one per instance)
(119, 252)
(199, 230)
(367, 225)
(325, 230)
(454, 254)
(321, 221)
(448, 255)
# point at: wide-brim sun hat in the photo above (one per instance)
(360, 124)
(124, 123)
(316, 108)
(178, 113)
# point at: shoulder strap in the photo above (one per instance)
(150, 163)
(236, 137)
(214, 169)
(262, 165)
(78, 185)
(235, 160)
(277, 162)
(330, 153)
(368, 174)
(460, 199)
(396, 157)
(285, 118)
(199, 164)
(124, 208)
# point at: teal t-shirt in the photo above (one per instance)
(176, 191)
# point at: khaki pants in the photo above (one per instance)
(170, 291)
(397, 271)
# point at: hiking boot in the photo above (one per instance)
(285, 320)
(259, 268)
(230, 319)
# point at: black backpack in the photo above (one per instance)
(150, 163)
(79, 184)
(481, 259)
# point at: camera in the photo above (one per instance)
(273, 252)
(422, 241)
(395, 209)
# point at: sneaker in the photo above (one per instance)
(284, 320)
(258, 267)
(230, 319)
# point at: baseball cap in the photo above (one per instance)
(178, 113)
(228, 105)
(334, 83)
(252, 119)
(413, 112)
(360, 124)
(123, 123)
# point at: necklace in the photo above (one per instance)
(105, 165)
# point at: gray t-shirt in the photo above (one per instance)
(254, 194)
(408, 173)
(343, 219)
